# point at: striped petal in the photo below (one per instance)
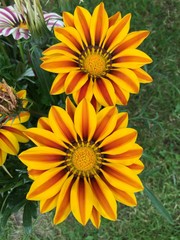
(58, 84)
(106, 122)
(8, 142)
(119, 141)
(70, 108)
(62, 125)
(86, 91)
(113, 19)
(85, 120)
(95, 218)
(121, 177)
(63, 208)
(99, 25)
(126, 79)
(132, 40)
(137, 167)
(143, 77)
(104, 92)
(43, 122)
(42, 137)
(47, 205)
(60, 49)
(74, 81)
(81, 200)
(122, 121)
(3, 156)
(82, 19)
(48, 184)
(42, 158)
(122, 96)
(70, 37)
(59, 64)
(68, 19)
(17, 130)
(128, 157)
(103, 199)
(34, 173)
(131, 58)
(117, 32)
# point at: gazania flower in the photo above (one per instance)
(97, 57)
(14, 22)
(11, 129)
(83, 162)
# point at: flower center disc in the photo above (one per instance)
(84, 158)
(23, 25)
(95, 64)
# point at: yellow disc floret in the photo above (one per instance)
(84, 158)
(95, 64)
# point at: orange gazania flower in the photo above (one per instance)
(83, 162)
(97, 57)
(11, 128)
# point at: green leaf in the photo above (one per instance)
(158, 205)
(30, 211)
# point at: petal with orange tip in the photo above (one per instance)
(143, 77)
(95, 218)
(68, 19)
(122, 96)
(58, 84)
(114, 18)
(122, 120)
(47, 205)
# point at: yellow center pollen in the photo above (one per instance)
(95, 64)
(84, 158)
(23, 26)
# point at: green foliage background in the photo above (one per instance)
(154, 112)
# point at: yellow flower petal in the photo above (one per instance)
(43, 122)
(117, 32)
(3, 156)
(106, 122)
(42, 158)
(114, 18)
(68, 19)
(99, 25)
(128, 157)
(47, 205)
(85, 120)
(81, 200)
(104, 92)
(70, 108)
(122, 177)
(122, 96)
(48, 184)
(17, 130)
(95, 218)
(42, 137)
(59, 64)
(62, 125)
(63, 204)
(58, 84)
(86, 91)
(70, 37)
(122, 121)
(119, 141)
(131, 58)
(143, 77)
(137, 167)
(34, 173)
(126, 79)
(74, 81)
(82, 19)
(104, 200)
(8, 142)
(132, 40)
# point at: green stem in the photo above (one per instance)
(21, 51)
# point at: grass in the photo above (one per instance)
(154, 113)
